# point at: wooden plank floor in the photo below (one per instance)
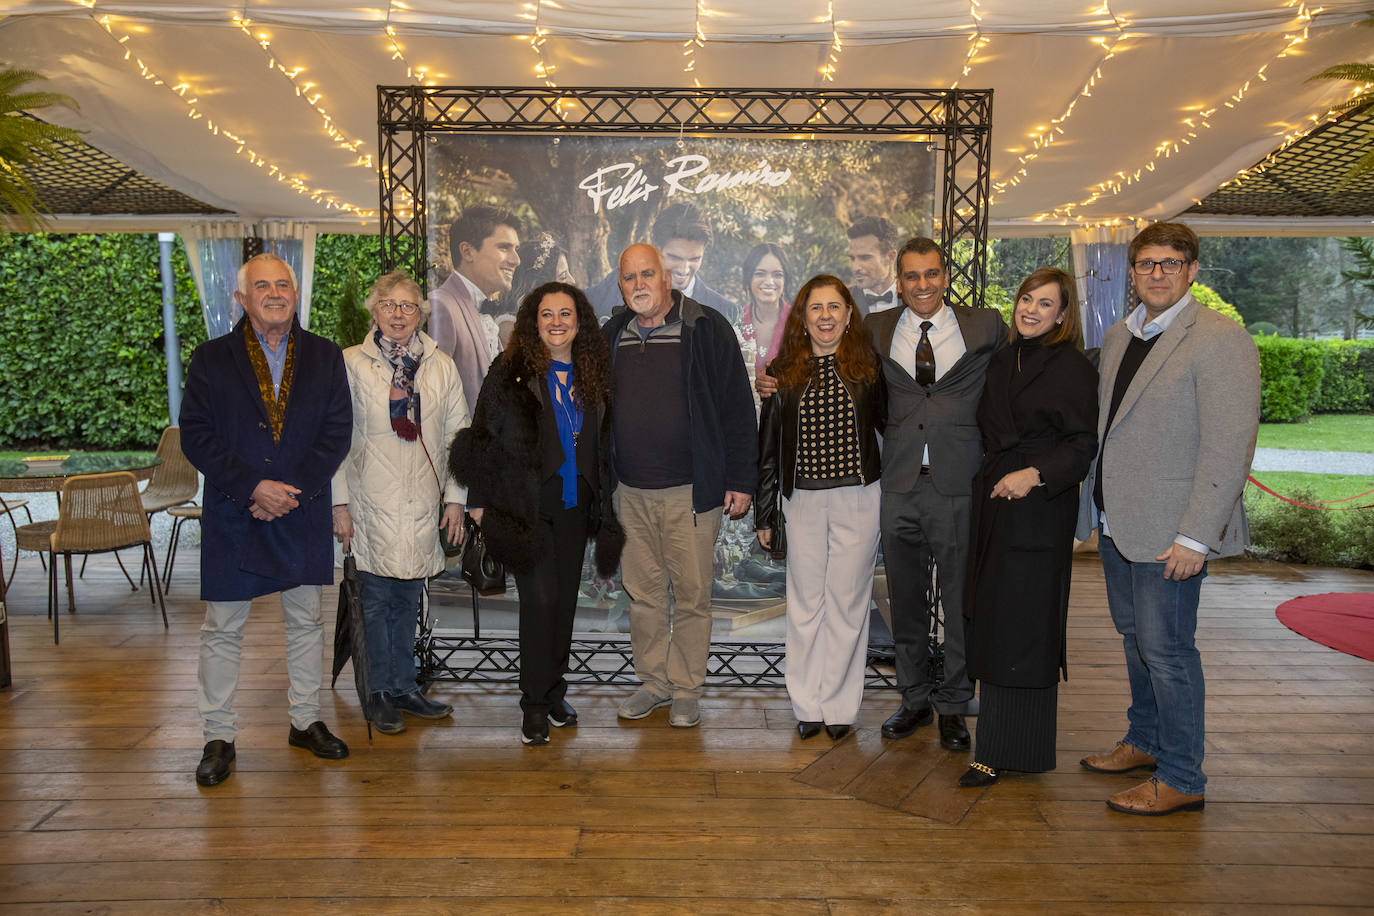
(99, 811)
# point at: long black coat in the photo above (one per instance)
(508, 452)
(1044, 415)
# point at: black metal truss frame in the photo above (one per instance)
(960, 120)
(608, 661)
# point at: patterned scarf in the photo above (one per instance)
(275, 403)
(405, 400)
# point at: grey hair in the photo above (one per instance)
(389, 282)
(265, 256)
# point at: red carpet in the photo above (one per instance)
(1343, 622)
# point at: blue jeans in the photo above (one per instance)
(1157, 620)
(391, 611)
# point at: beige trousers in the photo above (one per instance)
(668, 546)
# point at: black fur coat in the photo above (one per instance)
(503, 458)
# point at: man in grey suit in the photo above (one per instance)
(935, 358)
(1180, 397)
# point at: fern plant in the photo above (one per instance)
(24, 141)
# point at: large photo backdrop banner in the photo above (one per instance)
(778, 210)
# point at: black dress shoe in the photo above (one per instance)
(422, 707)
(808, 729)
(562, 715)
(904, 722)
(953, 733)
(215, 763)
(836, 732)
(535, 728)
(386, 718)
(977, 776)
(317, 740)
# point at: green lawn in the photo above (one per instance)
(1322, 486)
(1325, 432)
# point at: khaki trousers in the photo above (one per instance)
(668, 546)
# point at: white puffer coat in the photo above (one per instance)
(386, 481)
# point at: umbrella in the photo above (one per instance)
(350, 638)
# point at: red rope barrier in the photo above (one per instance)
(1322, 504)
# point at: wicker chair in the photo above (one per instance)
(7, 508)
(100, 513)
(174, 481)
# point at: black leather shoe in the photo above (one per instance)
(904, 722)
(422, 707)
(535, 728)
(977, 776)
(317, 740)
(808, 729)
(953, 733)
(386, 718)
(836, 732)
(215, 763)
(562, 715)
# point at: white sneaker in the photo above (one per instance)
(686, 712)
(641, 703)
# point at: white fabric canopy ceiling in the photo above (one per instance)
(1149, 106)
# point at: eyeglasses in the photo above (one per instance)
(1145, 266)
(391, 306)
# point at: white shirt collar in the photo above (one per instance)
(476, 294)
(1137, 324)
(939, 321)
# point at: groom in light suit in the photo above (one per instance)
(484, 244)
(1180, 399)
(931, 450)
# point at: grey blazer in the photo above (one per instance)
(945, 417)
(1179, 449)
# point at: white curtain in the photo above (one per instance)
(216, 254)
(1103, 277)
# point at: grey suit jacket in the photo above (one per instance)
(1179, 449)
(945, 417)
(456, 327)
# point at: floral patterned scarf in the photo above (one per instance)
(275, 403)
(405, 400)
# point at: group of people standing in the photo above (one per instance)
(932, 431)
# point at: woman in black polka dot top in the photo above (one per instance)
(818, 472)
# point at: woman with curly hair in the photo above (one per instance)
(819, 467)
(537, 464)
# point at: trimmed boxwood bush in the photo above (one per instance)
(1302, 377)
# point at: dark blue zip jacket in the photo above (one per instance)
(720, 407)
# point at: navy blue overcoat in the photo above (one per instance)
(224, 433)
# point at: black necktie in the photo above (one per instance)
(925, 357)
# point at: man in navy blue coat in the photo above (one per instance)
(266, 417)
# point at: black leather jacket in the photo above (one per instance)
(778, 426)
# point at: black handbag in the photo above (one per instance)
(480, 569)
(777, 544)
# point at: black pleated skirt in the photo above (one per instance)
(1016, 727)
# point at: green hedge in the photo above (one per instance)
(81, 336)
(1302, 377)
(81, 340)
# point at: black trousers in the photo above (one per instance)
(548, 599)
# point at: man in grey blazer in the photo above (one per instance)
(1180, 398)
(931, 450)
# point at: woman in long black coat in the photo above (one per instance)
(537, 464)
(1038, 417)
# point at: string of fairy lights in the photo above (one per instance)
(1189, 128)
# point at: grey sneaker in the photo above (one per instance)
(641, 703)
(686, 712)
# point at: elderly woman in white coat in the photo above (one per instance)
(408, 403)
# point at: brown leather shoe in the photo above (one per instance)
(1121, 759)
(1154, 799)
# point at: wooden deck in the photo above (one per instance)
(99, 737)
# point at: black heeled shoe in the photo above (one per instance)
(977, 776)
(808, 729)
(836, 732)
